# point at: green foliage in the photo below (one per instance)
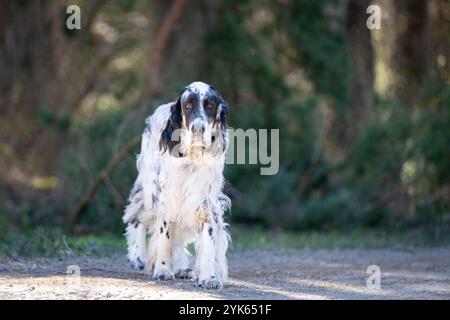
(406, 153)
(319, 40)
(51, 119)
(395, 175)
(378, 153)
(241, 54)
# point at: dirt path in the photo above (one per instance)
(341, 274)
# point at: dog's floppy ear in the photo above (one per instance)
(167, 140)
(222, 111)
(222, 114)
(221, 119)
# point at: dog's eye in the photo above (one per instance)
(210, 106)
(188, 106)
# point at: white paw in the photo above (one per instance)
(210, 283)
(137, 263)
(162, 275)
(184, 274)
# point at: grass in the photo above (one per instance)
(259, 239)
(51, 242)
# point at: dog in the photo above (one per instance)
(178, 198)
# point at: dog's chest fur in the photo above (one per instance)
(188, 187)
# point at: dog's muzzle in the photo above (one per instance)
(198, 129)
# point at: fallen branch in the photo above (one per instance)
(101, 177)
(118, 200)
(387, 198)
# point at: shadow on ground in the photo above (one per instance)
(339, 274)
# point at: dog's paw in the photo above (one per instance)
(137, 264)
(210, 283)
(184, 274)
(163, 275)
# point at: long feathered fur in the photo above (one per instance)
(174, 199)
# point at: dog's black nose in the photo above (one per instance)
(198, 127)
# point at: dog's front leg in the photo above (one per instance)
(163, 244)
(181, 256)
(205, 266)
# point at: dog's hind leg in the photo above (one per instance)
(143, 202)
(136, 235)
(136, 232)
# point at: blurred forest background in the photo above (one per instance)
(364, 115)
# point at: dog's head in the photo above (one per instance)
(197, 122)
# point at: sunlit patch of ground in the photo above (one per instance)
(289, 274)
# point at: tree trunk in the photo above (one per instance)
(362, 79)
(160, 44)
(411, 54)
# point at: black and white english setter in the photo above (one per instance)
(177, 198)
